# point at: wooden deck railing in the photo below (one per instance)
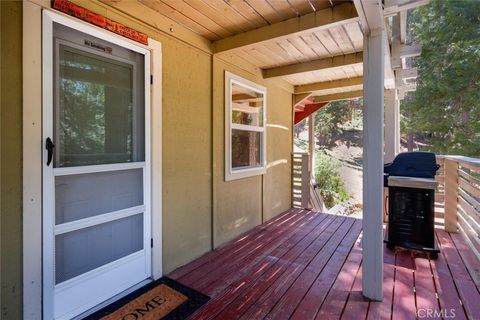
(458, 197)
(300, 180)
(457, 200)
(304, 191)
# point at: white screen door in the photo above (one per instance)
(96, 170)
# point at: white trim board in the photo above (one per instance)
(33, 148)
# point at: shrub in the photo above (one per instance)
(328, 179)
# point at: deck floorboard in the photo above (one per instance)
(306, 265)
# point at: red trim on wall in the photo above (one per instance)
(76, 11)
(309, 109)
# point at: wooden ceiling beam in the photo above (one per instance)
(389, 81)
(407, 73)
(403, 26)
(370, 15)
(299, 108)
(394, 6)
(407, 51)
(298, 99)
(408, 87)
(326, 18)
(340, 83)
(242, 97)
(314, 65)
(339, 96)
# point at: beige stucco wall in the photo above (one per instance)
(241, 204)
(198, 205)
(277, 183)
(11, 160)
(187, 147)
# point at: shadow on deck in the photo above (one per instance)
(307, 265)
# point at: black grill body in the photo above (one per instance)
(411, 209)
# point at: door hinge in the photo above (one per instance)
(151, 242)
(151, 79)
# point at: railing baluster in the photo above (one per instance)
(451, 194)
(462, 198)
(301, 180)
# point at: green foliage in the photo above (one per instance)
(446, 105)
(329, 181)
(330, 120)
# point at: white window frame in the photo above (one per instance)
(232, 173)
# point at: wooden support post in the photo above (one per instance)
(396, 62)
(373, 122)
(451, 194)
(397, 124)
(391, 117)
(305, 181)
(389, 125)
(311, 143)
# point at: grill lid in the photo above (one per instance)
(417, 164)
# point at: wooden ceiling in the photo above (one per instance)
(299, 41)
(325, 75)
(217, 19)
(339, 40)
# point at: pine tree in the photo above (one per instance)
(445, 109)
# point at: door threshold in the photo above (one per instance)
(113, 299)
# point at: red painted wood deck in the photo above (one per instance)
(307, 265)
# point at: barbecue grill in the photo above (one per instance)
(410, 179)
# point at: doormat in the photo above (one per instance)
(164, 299)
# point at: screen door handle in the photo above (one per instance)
(49, 146)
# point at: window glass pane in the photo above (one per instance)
(83, 250)
(86, 195)
(247, 106)
(98, 119)
(245, 149)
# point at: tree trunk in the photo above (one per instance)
(410, 143)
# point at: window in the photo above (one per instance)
(245, 110)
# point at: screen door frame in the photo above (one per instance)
(48, 205)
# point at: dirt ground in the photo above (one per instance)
(350, 169)
(348, 150)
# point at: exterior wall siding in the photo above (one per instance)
(187, 148)
(240, 205)
(277, 183)
(200, 209)
(11, 160)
